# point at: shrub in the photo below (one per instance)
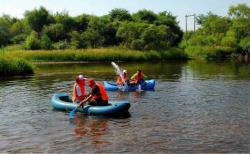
(15, 67)
(32, 41)
(60, 45)
(46, 42)
(137, 44)
(245, 44)
(78, 41)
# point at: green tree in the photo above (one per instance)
(78, 41)
(229, 40)
(19, 30)
(82, 22)
(120, 15)
(167, 19)
(245, 44)
(239, 11)
(95, 33)
(215, 24)
(130, 31)
(157, 37)
(5, 29)
(93, 38)
(145, 16)
(38, 18)
(65, 20)
(55, 31)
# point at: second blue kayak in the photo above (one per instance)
(112, 86)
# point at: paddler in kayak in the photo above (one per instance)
(78, 89)
(98, 95)
(138, 77)
(125, 76)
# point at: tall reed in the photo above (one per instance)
(10, 67)
(102, 54)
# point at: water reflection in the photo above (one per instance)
(123, 95)
(92, 129)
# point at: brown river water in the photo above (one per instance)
(197, 107)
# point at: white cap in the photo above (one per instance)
(124, 71)
(81, 76)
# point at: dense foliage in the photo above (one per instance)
(220, 36)
(40, 29)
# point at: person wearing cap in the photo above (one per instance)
(138, 77)
(98, 95)
(78, 89)
(125, 76)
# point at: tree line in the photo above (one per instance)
(40, 29)
(219, 36)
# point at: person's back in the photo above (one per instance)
(100, 97)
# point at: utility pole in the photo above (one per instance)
(194, 21)
(186, 22)
(192, 15)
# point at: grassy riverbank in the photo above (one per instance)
(102, 54)
(9, 67)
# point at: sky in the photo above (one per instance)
(179, 8)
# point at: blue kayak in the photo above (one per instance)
(62, 101)
(112, 86)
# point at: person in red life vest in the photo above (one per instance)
(78, 89)
(125, 76)
(98, 95)
(138, 77)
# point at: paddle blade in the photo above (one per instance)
(119, 72)
(72, 113)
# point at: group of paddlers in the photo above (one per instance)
(98, 95)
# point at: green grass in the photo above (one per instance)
(102, 54)
(16, 61)
(9, 67)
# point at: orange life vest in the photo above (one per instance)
(103, 92)
(119, 80)
(75, 95)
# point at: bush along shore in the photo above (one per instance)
(10, 67)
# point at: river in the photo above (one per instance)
(197, 106)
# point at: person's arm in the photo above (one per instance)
(133, 77)
(74, 94)
(85, 100)
(145, 76)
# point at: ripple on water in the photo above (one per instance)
(187, 113)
